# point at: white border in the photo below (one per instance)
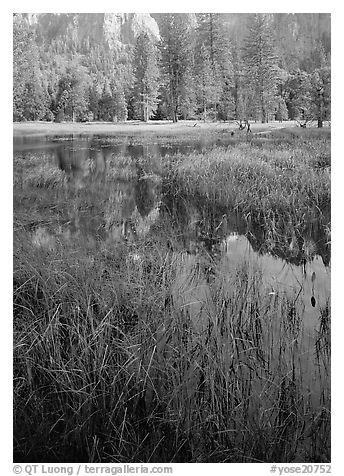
(335, 8)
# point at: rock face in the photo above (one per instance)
(143, 22)
(126, 27)
(113, 25)
(115, 29)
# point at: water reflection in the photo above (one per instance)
(207, 223)
(115, 192)
(313, 280)
(117, 213)
(127, 146)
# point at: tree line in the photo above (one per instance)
(202, 67)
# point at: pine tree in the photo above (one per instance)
(238, 84)
(260, 64)
(321, 94)
(119, 104)
(205, 65)
(298, 97)
(34, 102)
(106, 103)
(146, 76)
(93, 101)
(30, 100)
(226, 106)
(213, 54)
(321, 87)
(177, 60)
(282, 110)
(208, 88)
(72, 97)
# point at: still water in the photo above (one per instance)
(115, 191)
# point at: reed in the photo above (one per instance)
(112, 365)
(140, 351)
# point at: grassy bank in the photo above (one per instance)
(280, 185)
(195, 128)
(128, 352)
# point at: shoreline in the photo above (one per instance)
(155, 127)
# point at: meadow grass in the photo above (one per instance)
(281, 188)
(152, 128)
(266, 177)
(111, 364)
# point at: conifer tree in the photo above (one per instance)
(321, 94)
(260, 64)
(282, 110)
(146, 76)
(298, 98)
(93, 101)
(238, 82)
(30, 100)
(213, 54)
(106, 103)
(71, 99)
(204, 64)
(321, 87)
(119, 104)
(177, 59)
(208, 88)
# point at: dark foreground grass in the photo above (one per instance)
(109, 366)
(112, 364)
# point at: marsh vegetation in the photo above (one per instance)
(172, 298)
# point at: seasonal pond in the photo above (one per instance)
(105, 192)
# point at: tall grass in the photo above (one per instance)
(259, 179)
(130, 352)
(110, 365)
(281, 190)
